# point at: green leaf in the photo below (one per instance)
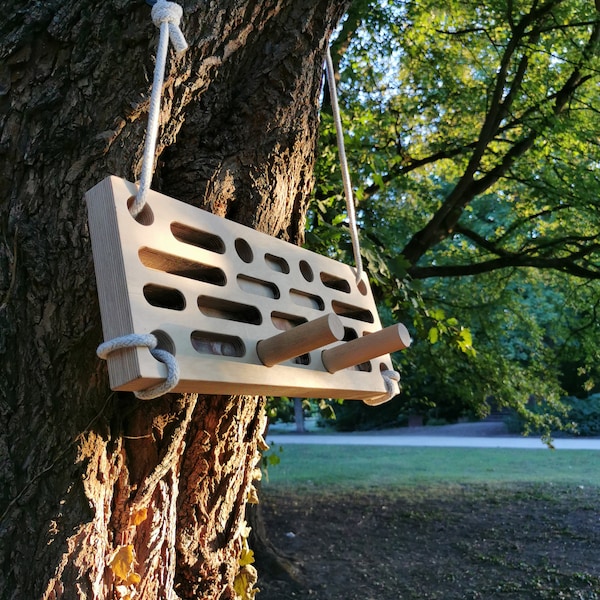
(438, 314)
(273, 459)
(378, 180)
(433, 335)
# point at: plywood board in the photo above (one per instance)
(211, 290)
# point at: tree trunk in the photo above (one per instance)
(299, 415)
(102, 495)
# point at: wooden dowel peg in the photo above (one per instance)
(300, 340)
(363, 349)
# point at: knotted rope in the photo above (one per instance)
(148, 340)
(389, 377)
(166, 16)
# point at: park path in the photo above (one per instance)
(468, 435)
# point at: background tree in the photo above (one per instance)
(473, 135)
(102, 495)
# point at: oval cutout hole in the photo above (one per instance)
(196, 237)
(284, 322)
(164, 297)
(277, 263)
(305, 299)
(183, 267)
(352, 312)
(362, 287)
(207, 342)
(335, 283)
(145, 216)
(302, 360)
(258, 287)
(349, 334)
(242, 247)
(306, 271)
(228, 310)
(365, 367)
(164, 341)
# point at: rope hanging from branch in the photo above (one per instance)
(335, 109)
(389, 377)
(166, 16)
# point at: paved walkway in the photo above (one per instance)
(468, 435)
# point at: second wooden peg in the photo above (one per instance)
(363, 349)
(300, 340)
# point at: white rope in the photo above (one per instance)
(166, 16)
(335, 109)
(390, 379)
(148, 340)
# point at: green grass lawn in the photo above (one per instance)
(321, 467)
(435, 523)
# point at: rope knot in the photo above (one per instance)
(170, 13)
(133, 340)
(391, 379)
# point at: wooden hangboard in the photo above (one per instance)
(210, 290)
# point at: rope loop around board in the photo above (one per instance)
(135, 340)
(389, 377)
(166, 16)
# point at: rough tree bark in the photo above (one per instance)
(87, 475)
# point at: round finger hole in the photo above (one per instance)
(362, 287)
(242, 247)
(164, 341)
(306, 271)
(145, 216)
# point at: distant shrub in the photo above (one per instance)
(584, 413)
(357, 416)
(514, 423)
(436, 422)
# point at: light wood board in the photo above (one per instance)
(211, 290)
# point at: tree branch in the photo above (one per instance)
(481, 241)
(414, 164)
(446, 218)
(565, 265)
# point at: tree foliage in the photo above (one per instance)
(472, 131)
